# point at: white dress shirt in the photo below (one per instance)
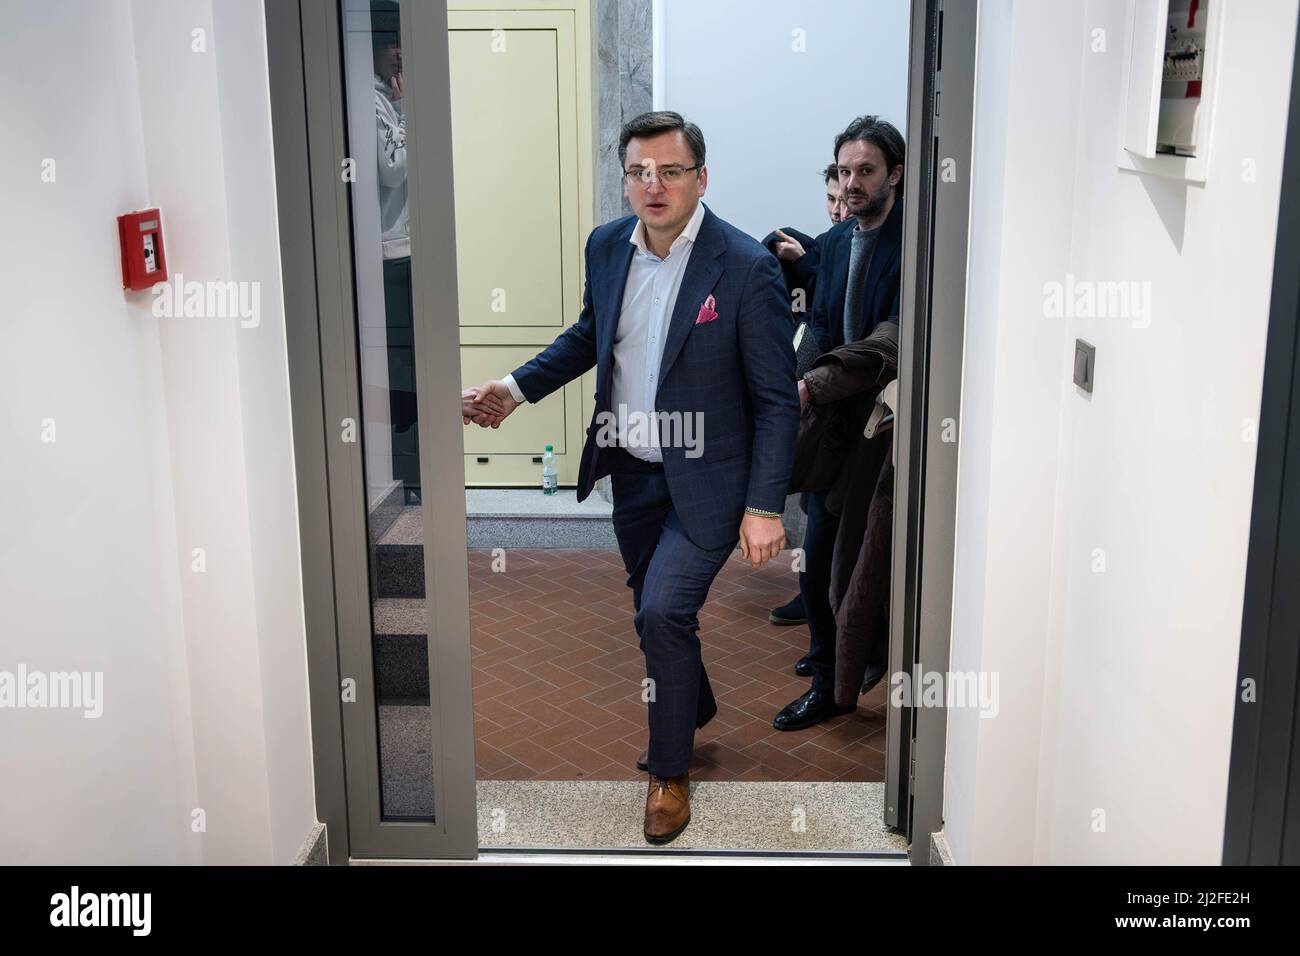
(648, 299)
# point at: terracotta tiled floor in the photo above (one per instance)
(557, 675)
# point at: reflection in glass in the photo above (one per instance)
(376, 110)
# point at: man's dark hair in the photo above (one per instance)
(831, 172)
(385, 25)
(661, 121)
(881, 134)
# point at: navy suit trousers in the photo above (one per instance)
(670, 577)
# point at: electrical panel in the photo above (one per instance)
(1182, 76)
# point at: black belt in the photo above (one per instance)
(624, 461)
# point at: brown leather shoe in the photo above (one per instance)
(667, 808)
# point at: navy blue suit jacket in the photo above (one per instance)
(880, 292)
(737, 370)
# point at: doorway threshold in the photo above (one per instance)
(729, 817)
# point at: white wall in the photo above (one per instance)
(172, 434)
(769, 114)
(88, 579)
(263, 380)
(1116, 685)
(989, 158)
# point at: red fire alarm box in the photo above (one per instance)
(143, 261)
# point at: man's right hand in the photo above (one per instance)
(488, 405)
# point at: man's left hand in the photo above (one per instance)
(787, 247)
(761, 539)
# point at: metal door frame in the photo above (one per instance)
(303, 39)
(941, 102)
(1262, 817)
(306, 72)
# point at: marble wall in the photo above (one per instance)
(623, 90)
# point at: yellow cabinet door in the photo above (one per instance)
(505, 455)
(522, 170)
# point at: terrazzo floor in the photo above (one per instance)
(725, 815)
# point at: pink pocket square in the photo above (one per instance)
(707, 313)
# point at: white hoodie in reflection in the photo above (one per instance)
(390, 124)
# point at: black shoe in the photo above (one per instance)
(700, 721)
(873, 676)
(812, 708)
(803, 666)
(789, 613)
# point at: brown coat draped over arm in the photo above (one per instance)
(842, 388)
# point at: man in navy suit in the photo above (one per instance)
(686, 321)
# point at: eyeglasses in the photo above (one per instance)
(668, 175)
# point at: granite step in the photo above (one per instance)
(526, 518)
(509, 518)
(495, 518)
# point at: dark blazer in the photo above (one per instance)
(737, 370)
(802, 272)
(880, 296)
